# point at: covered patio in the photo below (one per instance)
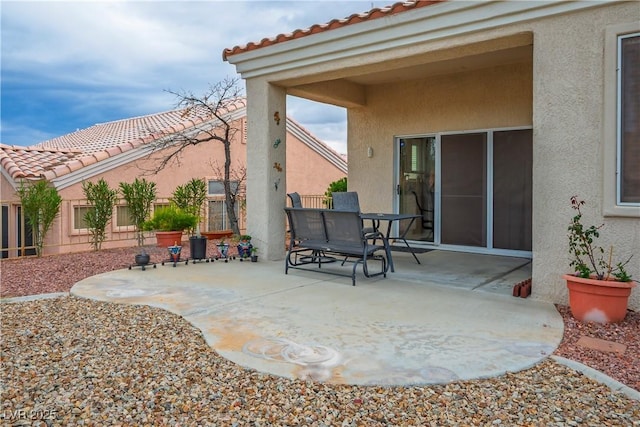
(452, 317)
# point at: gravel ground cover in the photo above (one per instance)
(70, 361)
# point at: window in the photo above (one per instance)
(218, 219)
(621, 123)
(628, 132)
(123, 219)
(79, 213)
(216, 187)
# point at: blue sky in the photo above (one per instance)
(68, 65)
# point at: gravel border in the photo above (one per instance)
(58, 273)
(74, 361)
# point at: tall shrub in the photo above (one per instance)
(190, 197)
(40, 205)
(101, 199)
(139, 196)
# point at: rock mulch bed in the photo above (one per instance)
(77, 361)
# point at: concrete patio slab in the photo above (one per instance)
(422, 325)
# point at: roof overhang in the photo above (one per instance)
(365, 43)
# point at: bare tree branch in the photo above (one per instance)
(211, 119)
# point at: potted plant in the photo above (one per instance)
(169, 223)
(190, 197)
(244, 246)
(254, 254)
(599, 289)
(223, 249)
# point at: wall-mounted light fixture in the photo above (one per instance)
(370, 152)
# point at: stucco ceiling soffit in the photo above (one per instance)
(337, 92)
(450, 58)
(442, 21)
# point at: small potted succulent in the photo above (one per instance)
(223, 249)
(254, 254)
(599, 288)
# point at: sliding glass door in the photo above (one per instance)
(471, 190)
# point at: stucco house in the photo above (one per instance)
(122, 150)
(490, 115)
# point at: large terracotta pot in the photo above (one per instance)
(601, 301)
(217, 234)
(168, 238)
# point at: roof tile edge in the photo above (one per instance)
(356, 18)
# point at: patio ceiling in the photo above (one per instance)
(346, 87)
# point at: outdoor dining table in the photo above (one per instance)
(390, 218)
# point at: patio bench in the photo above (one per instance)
(320, 236)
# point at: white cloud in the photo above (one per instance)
(122, 55)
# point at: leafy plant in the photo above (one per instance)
(170, 218)
(40, 205)
(587, 257)
(101, 199)
(139, 196)
(334, 187)
(190, 197)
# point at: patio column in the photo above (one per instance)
(266, 167)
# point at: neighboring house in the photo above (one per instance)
(493, 113)
(122, 150)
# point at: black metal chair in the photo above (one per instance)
(348, 201)
(296, 201)
(427, 214)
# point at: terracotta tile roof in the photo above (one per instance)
(32, 163)
(104, 136)
(372, 14)
(68, 153)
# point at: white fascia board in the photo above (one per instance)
(421, 25)
(126, 157)
(331, 156)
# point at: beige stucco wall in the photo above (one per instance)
(481, 99)
(302, 176)
(560, 94)
(558, 91)
(569, 140)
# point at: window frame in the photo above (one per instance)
(74, 215)
(612, 206)
(619, 115)
(120, 228)
(221, 182)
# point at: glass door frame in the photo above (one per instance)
(436, 188)
(437, 243)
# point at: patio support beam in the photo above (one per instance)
(266, 167)
(337, 92)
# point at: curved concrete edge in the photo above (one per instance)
(34, 297)
(599, 376)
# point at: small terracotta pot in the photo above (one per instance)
(601, 301)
